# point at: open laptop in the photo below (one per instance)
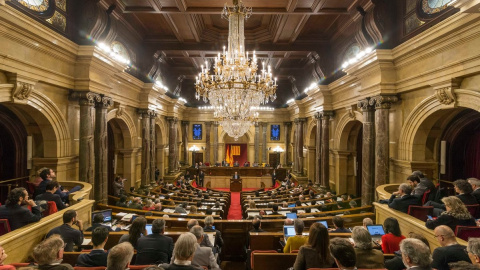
(288, 230)
(324, 223)
(292, 205)
(376, 231)
(292, 215)
(149, 228)
(107, 215)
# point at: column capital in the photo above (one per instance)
(299, 120)
(208, 123)
(383, 101)
(147, 113)
(171, 119)
(104, 102)
(85, 97)
(364, 105)
(288, 124)
(185, 123)
(264, 124)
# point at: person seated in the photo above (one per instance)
(449, 251)
(473, 249)
(315, 253)
(50, 196)
(155, 248)
(122, 202)
(338, 224)
(396, 263)
(148, 206)
(367, 257)
(98, 256)
(236, 164)
(17, 215)
(206, 241)
(367, 222)
(180, 209)
(47, 176)
(257, 224)
(120, 256)
(275, 210)
(3, 256)
(464, 190)
(404, 199)
(209, 228)
(418, 188)
(184, 251)
(246, 164)
(136, 204)
(343, 253)
(295, 242)
(393, 236)
(415, 254)
(49, 253)
(71, 236)
(137, 229)
(456, 214)
(204, 257)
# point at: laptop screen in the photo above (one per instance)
(292, 205)
(292, 215)
(375, 230)
(149, 228)
(107, 215)
(288, 231)
(324, 223)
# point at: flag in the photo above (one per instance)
(236, 150)
(227, 154)
(231, 157)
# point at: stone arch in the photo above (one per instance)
(310, 129)
(126, 125)
(344, 126)
(161, 126)
(423, 116)
(54, 129)
(249, 134)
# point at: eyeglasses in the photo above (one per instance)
(439, 235)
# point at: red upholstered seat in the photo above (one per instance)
(465, 232)
(51, 208)
(4, 226)
(473, 209)
(420, 212)
(425, 197)
(259, 251)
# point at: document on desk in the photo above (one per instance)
(86, 241)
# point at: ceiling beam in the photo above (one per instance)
(218, 10)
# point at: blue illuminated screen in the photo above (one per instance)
(275, 133)
(197, 131)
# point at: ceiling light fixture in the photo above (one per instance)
(236, 84)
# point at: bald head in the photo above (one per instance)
(445, 235)
(191, 223)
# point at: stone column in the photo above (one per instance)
(215, 143)
(264, 142)
(318, 147)
(382, 146)
(146, 141)
(257, 142)
(185, 125)
(171, 143)
(325, 155)
(153, 146)
(299, 146)
(208, 128)
(287, 128)
(368, 152)
(160, 162)
(101, 151)
(86, 144)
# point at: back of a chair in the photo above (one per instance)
(259, 251)
(465, 232)
(51, 208)
(473, 209)
(4, 226)
(420, 212)
(426, 196)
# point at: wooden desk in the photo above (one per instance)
(242, 171)
(235, 185)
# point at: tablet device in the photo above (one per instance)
(288, 231)
(324, 223)
(375, 230)
(292, 215)
(149, 229)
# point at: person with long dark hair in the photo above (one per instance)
(315, 253)
(137, 229)
(393, 236)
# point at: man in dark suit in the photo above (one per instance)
(475, 183)
(17, 215)
(180, 209)
(236, 176)
(154, 248)
(98, 256)
(50, 195)
(236, 164)
(416, 255)
(274, 177)
(404, 199)
(48, 175)
(464, 190)
(70, 236)
(224, 163)
(201, 177)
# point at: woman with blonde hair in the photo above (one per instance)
(252, 205)
(455, 215)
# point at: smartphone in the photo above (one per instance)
(429, 217)
(213, 227)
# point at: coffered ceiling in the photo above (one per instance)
(290, 35)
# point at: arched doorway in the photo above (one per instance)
(312, 162)
(13, 146)
(121, 157)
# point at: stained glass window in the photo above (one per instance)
(275, 132)
(197, 131)
(58, 20)
(434, 6)
(35, 5)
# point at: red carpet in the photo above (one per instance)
(235, 211)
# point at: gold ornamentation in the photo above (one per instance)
(58, 20)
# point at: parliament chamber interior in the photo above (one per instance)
(207, 134)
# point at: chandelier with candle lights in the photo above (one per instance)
(234, 86)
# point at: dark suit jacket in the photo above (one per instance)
(467, 199)
(49, 197)
(201, 176)
(95, 258)
(402, 204)
(69, 235)
(476, 194)
(237, 177)
(154, 249)
(218, 235)
(19, 216)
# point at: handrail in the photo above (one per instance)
(14, 179)
(384, 192)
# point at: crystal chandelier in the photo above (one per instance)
(236, 85)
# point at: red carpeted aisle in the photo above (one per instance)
(235, 210)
